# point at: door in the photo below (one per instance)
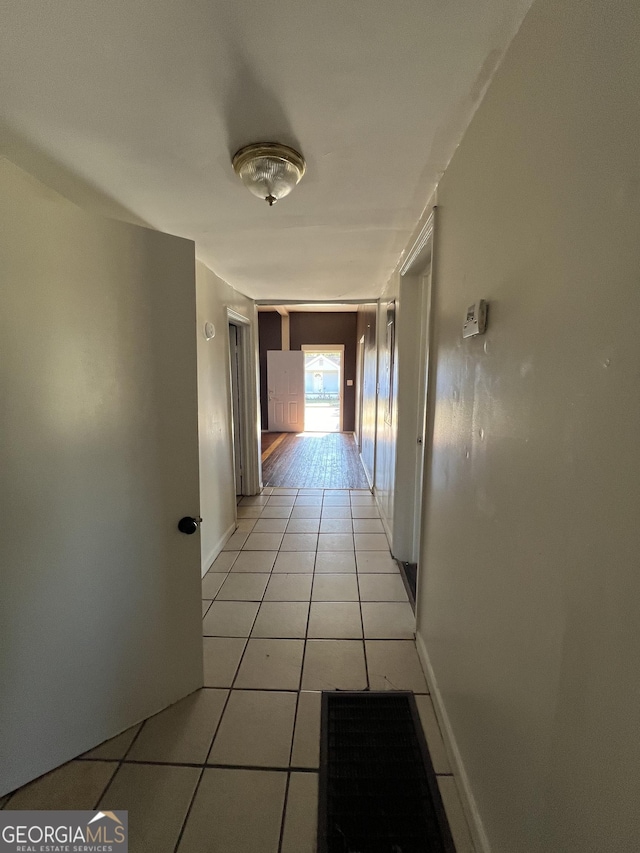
(369, 393)
(234, 357)
(100, 620)
(285, 384)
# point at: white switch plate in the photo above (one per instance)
(349, 381)
(476, 320)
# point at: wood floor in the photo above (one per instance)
(269, 441)
(314, 461)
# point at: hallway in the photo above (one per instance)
(305, 597)
(464, 230)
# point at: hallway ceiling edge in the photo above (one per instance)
(134, 110)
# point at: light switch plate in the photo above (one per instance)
(476, 320)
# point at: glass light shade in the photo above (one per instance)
(269, 170)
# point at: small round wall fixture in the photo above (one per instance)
(209, 331)
(269, 170)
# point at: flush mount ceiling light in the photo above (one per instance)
(269, 170)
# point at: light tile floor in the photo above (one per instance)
(305, 597)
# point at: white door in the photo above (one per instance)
(100, 620)
(285, 384)
(234, 357)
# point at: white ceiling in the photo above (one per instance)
(136, 108)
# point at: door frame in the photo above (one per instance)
(248, 432)
(329, 348)
(235, 354)
(415, 274)
(360, 388)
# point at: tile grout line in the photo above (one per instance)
(201, 776)
(295, 718)
(248, 638)
(284, 808)
(246, 645)
(189, 809)
(121, 762)
(206, 765)
(306, 637)
(364, 645)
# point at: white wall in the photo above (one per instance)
(217, 485)
(529, 602)
(99, 592)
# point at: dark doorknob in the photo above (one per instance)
(188, 524)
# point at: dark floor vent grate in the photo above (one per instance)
(378, 791)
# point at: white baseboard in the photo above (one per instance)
(467, 799)
(366, 473)
(384, 520)
(217, 548)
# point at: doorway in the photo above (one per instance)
(314, 445)
(414, 382)
(360, 399)
(323, 381)
(244, 404)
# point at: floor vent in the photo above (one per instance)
(378, 791)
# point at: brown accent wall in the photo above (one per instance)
(330, 328)
(270, 337)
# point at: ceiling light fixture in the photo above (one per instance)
(269, 170)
